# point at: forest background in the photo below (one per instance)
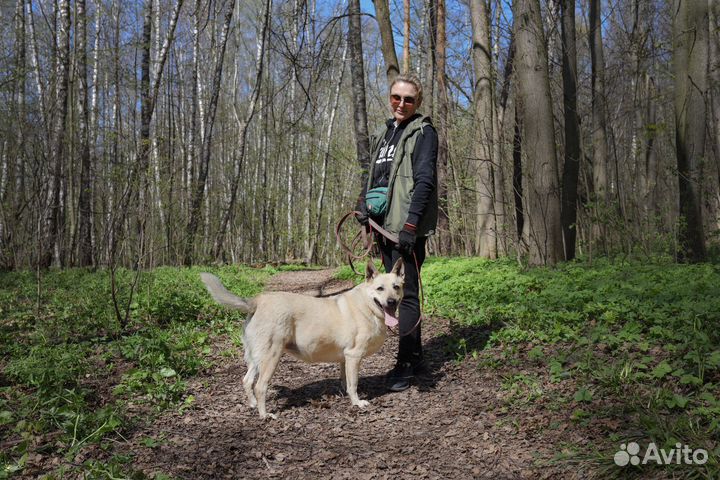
(180, 132)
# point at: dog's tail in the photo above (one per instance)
(225, 297)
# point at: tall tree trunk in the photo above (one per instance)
(243, 125)
(571, 168)
(501, 166)
(600, 160)
(518, 177)
(85, 254)
(406, 37)
(485, 232)
(382, 12)
(542, 228)
(429, 84)
(357, 79)
(714, 74)
(690, 60)
(443, 113)
(312, 253)
(292, 154)
(148, 98)
(199, 193)
(35, 65)
(57, 134)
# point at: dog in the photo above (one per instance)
(344, 328)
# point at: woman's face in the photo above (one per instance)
(403, 101)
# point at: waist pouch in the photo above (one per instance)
(376, 201)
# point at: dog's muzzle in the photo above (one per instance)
(389, 311)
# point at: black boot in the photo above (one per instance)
(399, 378)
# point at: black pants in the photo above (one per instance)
(410, 349)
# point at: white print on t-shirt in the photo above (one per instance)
(387, 153)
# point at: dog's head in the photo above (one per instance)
(385, 289)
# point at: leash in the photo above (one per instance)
(367, 241)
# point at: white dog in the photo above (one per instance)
(343, 328)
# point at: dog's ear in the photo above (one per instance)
(399, 268)
(370, 270)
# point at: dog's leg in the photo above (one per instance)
(252, 370)
(343, 381)
(352, 370)
(248, 382)
(267, 367)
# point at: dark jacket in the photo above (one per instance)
(412, 187)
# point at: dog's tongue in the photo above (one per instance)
(390, 320)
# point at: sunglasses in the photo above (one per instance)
(396, 99)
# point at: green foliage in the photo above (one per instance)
(643, 337)
(69, 371)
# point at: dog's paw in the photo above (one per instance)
(361, 403)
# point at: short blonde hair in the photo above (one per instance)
(412, 80)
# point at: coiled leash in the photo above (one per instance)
(365, 236)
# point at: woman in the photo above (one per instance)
(404, 161)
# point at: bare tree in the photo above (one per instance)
(406, 36)
(714, 23)
(485, 232)
(199, 192)
(325, 152)
(382, 12)
(243, 125)
(85, 213)
(52, 247)
(542, 229)
(357, 79)
(443, 112)
(571, 168)
(690, 60)
(598, 134)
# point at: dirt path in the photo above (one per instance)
(456, 422)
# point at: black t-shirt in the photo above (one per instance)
(424, 159)
(383, 164)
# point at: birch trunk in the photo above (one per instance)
(243, 125)
(199, 192)
(312, 253)
(52, 248)
(85, 253)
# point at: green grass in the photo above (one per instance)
(638, 344)
(641, 337)
(69, 371)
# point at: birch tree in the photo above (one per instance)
(243, 122)
(52, 247)
(199, 191)
(85, 215)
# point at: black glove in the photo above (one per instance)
(362, 218)
(406, 239)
